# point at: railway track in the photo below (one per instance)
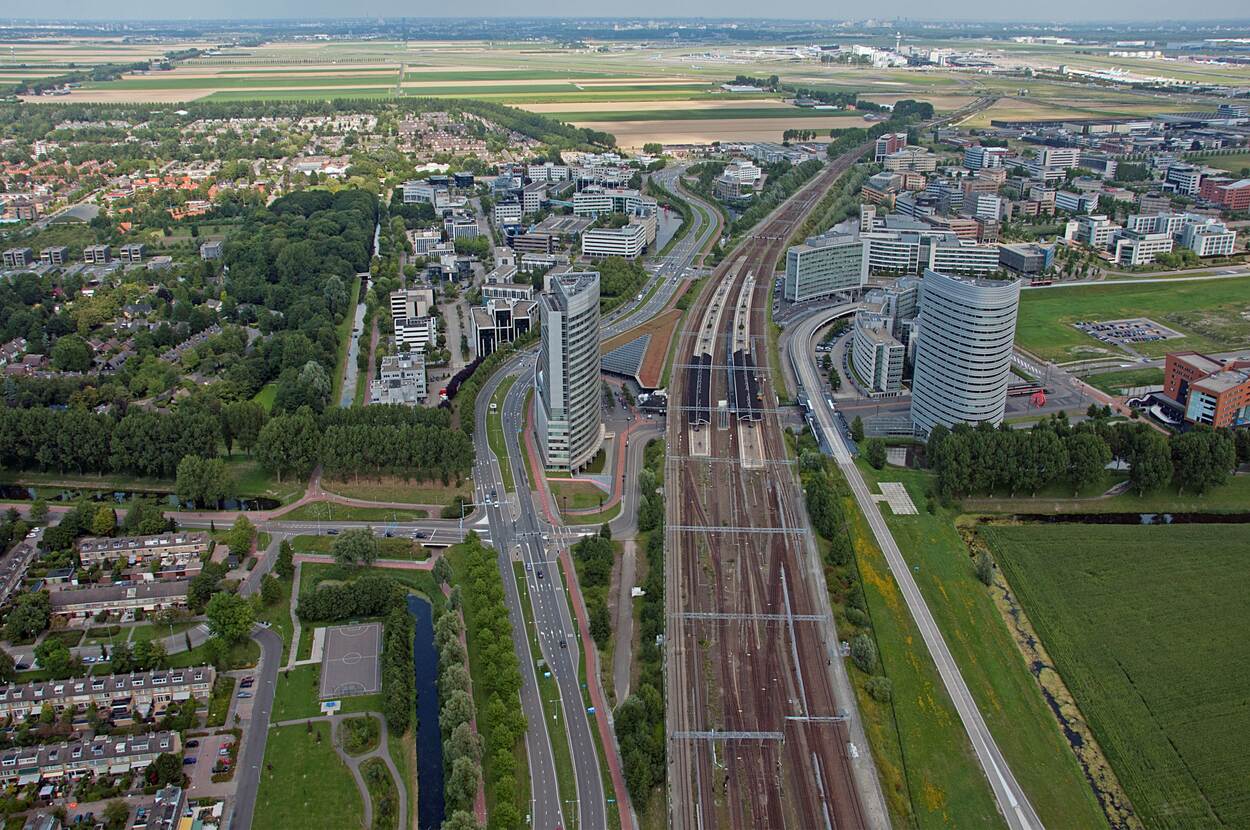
(758, 737)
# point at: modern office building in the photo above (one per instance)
(963, 351)
(1210, 238)
(507, 213)
(1185, 177)
(501, 319)
(915, 159)
(569, 410)
(983, 158)
(414, 324)
(595, 200)
(825, 265)
(887, 144)
(1227, 193)
(1135, 248)
(401, 380)
(876, 355)
(132, 252)
(628, 241)
(1026, 258)
(1209, 390)
(911, 251)
(1062, 157)
(1076, 202)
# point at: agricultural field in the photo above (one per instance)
(1210, 313)
(1147, 627)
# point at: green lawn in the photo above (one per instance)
(296, 695)
(265, 397)
(1209, 313)
(1233, 162)
(307, 780)
(151, 630)
(1233, 497)
(1147, 627)
(279, 618)
(494, 431)
(1008, 696)
(219, 703)
(594, 518)
(328, 511)
(313, 544)
(397, 491)
(1113, 382)
(254, 482)
(575, 495)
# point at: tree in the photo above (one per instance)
(461, 820)
(1149, 458)
(8, 668)
(1202, 458)
(70, 353)
(55, 657)
(864, 653)
(462, 783)
(857, 429)
(285, 566)
(39, 512)
(230, 617)
(164, 770)
(29, 616)
(104, 523)
(874, 452)
(1088, 456)
(442, 571)
(239, 537)
(242, 421)
(985, 568)
(356, 548)
(203, 481)
(116, 813)
(270, 589)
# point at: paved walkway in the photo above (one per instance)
(354, 762)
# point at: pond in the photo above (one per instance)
(18, 492)
(430, 804)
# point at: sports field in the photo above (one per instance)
(1212, 314)
(1146, 624)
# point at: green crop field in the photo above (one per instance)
(1146, 624)
(1210, 313)
(508, 75)
(250, 82)
(299, 94)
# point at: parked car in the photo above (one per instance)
(191, 744)
(186, 762)
(245, 694)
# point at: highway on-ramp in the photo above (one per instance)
(1012, 800)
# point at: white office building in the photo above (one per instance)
(1135, 248)
(963, 351)
(1209, 238)
(424, 240)
(569, 407)
(628, 241)
(983, 158)
(594, 201)
(825, 265)
(411, 317)
(1062, 157)
(1076, 202)
(1185, 177)
(1096, 231)
(908, 251)
(507, 213)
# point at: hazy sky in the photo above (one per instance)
(1058, 10)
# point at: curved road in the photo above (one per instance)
(1012, 800)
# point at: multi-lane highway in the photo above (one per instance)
(1012, 800)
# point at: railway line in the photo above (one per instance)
(759, 732)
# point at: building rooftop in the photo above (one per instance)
(41, 690)
(165, 589)
(1222, 381)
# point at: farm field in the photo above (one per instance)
(1211, 315)
(1146, 626)
(1006, 692)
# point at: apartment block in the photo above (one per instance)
(211, 250)
(97, 254)
(55, 255)
(126, 597)
(18, 257)
(173, 546)
(116, 696)
(132, 252)
(102, 755)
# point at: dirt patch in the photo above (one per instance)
(121, 96)
(648, 106)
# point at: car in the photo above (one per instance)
(90, 659)
(540, 574)
(332, 532)
(191, 744)
(21, 666)
(186, 762)
(224, 751)
(418, 534)
(245, 694)
(529, 566)
(563, 644)
(388, 534)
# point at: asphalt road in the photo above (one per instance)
(1012, 800)
(257, 730)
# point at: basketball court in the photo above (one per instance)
(351, 664)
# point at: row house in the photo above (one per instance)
(102, 755)
(120, 696)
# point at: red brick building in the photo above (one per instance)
(1209, 390)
